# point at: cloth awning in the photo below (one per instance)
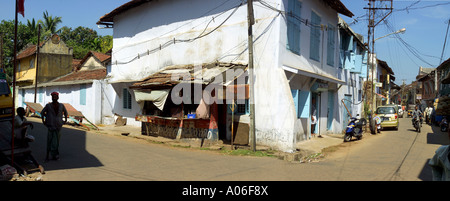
(158, 97)
(323, 77)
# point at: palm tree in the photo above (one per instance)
(50, 24)
(32, 25)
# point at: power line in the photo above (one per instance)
(409, 47)
(408, 8)
(445, 42)
(116, 50)
(174, 41)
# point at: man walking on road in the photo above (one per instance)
(52, 118)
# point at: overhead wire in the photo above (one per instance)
(174, 40)
(118, 49)
(408, 8)
(203, 34)
(409, 47)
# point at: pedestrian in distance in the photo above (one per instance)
(52, 118)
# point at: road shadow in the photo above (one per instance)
(437, 137)
(73, 153)
(411, 129)
(426, 174)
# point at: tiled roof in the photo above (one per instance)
(96, 74)
(129, 5)
(100, 56)
(75, 64)
(339, 7)
(30, 50)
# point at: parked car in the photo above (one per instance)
(388, 115)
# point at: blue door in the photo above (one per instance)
(348, 103)
(330, 112)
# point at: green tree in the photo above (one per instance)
(49, 24)
(84, 39)
(24, 37)
(81, 39)
(106, 43)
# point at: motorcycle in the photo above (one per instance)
(354, 129)
(416, 123)
(444, 124)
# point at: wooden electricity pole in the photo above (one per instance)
(1, 50)
(251, 21)
(371, 43)
(37, 63)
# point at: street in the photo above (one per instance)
(89, 156)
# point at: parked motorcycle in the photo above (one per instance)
(354, 128)
(416, 123)
(444, 124)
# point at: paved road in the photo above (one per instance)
(87, 156)
(390, 156)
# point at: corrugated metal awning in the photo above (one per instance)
(213, 73)
(323, 77)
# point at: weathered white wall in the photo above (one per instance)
(68, 94)
(99, 99)
(91, 64)
(146, 27)
(115, 98)
(228, 43)
(153, 24)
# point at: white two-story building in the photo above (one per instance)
(296, 59)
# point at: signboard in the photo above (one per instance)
(378, 84)
(418, 96)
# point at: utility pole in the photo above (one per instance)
(14, 86)
(445, 41)
(1, 50)
(371, 43)
(37, 63)
(251, 21)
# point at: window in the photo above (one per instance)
(331, 45)
(304, 103)
(301, 102)
(293, 26)
(244, 108)
(32, 63)
(240, 109)
(82, 94)
(41, 95)
(126, 99)
(315, 37)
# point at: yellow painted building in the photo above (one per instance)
(55, 59)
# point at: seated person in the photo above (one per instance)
(20, 126)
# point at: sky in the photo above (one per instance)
(74, 13)
(426, 24)
(424, 20)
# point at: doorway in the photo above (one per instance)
(315, 105)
